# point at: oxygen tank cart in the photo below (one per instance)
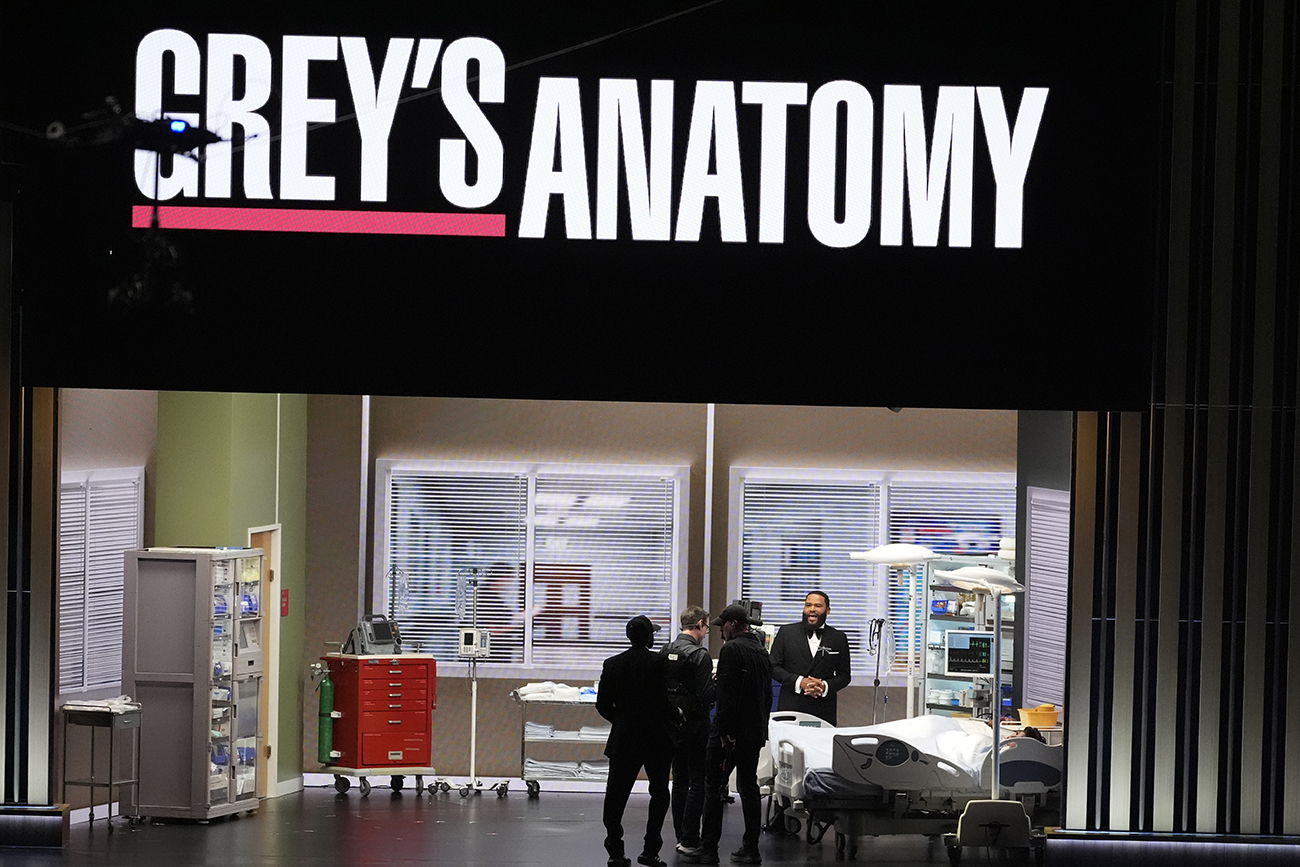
(376, 719)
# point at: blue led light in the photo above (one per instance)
(178, 126)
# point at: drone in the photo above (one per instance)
(111, 125)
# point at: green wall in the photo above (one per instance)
(220, 457)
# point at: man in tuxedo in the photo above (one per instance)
(633, 696)
(811, 661)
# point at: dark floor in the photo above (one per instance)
(321, 828)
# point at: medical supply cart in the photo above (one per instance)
(383, 719)
(192, 654)
(533, 777)
(948, 607)
(115, 721)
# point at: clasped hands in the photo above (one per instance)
(814, 687)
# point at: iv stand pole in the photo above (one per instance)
(473, 692)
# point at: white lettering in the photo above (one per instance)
(713, 128)
(425, 58)
(559, 112)
(823, 168)
(904, 138)
(775, 97)
(649, 187)
(1010, 156)
(224, 112)
(452, 168)
(184, 176)
(375, 107)
(297, 111)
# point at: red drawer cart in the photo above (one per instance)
(383, 721)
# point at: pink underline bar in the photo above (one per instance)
(304, 220)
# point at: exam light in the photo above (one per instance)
(178, 126)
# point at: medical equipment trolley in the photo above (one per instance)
(382, 719)
(533, 733)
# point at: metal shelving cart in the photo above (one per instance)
(939, 593)
(532, 780)
(128, 720)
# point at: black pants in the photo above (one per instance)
(719, 763)
(688, 785)
(623, 770)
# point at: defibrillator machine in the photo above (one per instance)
(375, 635)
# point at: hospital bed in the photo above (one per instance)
(902, 777)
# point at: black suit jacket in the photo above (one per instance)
(633, 696)
(791, 660)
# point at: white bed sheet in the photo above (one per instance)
(961, 742)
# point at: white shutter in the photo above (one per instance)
(1047, 559)
(439, 526)
(101, 518)
(965, 519)
(796, 536)
(604, 553)
(72, 588)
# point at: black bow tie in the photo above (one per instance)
(815, 630)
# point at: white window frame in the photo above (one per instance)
(385, 467)
(852, 477)
(88, 479)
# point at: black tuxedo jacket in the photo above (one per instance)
(633, 696)
(791, 660)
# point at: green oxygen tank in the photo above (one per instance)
(325, 733)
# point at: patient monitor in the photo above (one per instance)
(968, 653)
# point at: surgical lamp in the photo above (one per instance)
(905, 558)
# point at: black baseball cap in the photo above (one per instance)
(732, 612)
(640, 628)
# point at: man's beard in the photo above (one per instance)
(814, 621)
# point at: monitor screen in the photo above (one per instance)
(968, 653)
(382, 632)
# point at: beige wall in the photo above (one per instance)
(594, 432)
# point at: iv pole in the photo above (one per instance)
(475, 785)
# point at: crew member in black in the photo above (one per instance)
(737, 736)
(811, 661)
(633, 696)
(691, 690)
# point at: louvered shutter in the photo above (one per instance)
(439, 526)
(967, 519)
(101, 518)
(796, 536)
(604, 553)
(1047, 559)
(72, 588)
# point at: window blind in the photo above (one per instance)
(440, 527)
(796, 536)
(565, 559)
(604, 554)
(1047, 559)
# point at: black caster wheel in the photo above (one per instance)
(396, 782)
(792, 825)
(365, 787)
(954, 855)
(534, 789)
(464, 791)
(341, 784)
(841, 842)
(444, 787)
(503, 789)
(419, 784)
